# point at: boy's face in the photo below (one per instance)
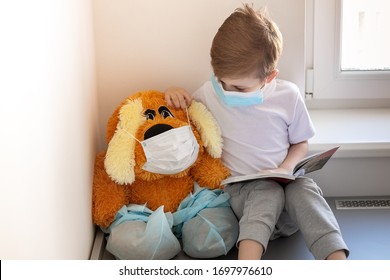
(247, 84)
(242, 84)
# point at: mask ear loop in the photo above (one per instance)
(132, 136)
(188, 117)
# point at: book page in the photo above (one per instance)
(281, 177)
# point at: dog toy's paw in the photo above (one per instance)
(211, 233)
(137, 240)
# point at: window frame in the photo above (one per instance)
(323, 54)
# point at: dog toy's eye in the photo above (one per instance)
(150, 114)
(164, 112)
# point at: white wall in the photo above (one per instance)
(48, 124)
(357, 176)
(155, 44)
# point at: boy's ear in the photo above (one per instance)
(272, 75)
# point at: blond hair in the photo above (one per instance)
(248, 43)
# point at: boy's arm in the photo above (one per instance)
(177, 97)
(295, 154)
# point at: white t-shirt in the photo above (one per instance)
(258, 137)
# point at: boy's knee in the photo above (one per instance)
(212, 233)
(302, 187)
(302, 193)
(266, 189)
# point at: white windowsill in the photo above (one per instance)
(359, 132)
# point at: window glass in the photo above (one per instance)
(365, 35)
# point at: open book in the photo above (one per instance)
(307, 165)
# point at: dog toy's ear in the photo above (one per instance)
(208, 128)
(120, 159)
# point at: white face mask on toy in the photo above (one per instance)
(170, 152)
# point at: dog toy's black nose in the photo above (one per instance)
(156, 130)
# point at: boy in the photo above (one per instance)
(265, 126)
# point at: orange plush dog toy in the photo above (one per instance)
(144, 202)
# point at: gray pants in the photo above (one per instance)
(267, 210)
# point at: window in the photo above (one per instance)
(365, 36)
(348, 57)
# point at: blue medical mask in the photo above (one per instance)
(235, 98)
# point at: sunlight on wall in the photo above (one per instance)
(48, 122)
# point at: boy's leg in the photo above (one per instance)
(307, 207)
(250, 250)
(258, 205)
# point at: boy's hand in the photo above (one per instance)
(177, 97)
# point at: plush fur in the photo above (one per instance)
(119, 178)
